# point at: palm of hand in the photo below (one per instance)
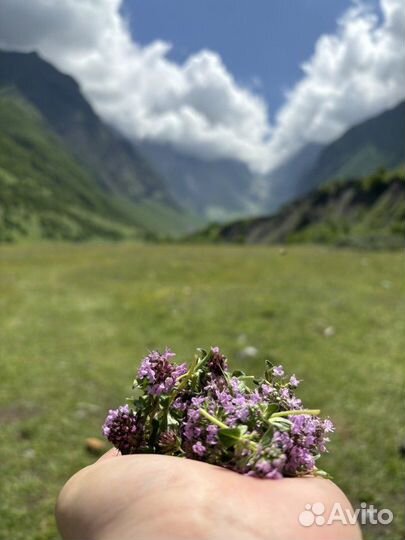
(151, 497)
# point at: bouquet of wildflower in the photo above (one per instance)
(254, 426)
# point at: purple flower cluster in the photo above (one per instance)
(159, 372)
(253, 426)
(120, 428)
(306, 439)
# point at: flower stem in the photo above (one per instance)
(186, 377)
(313, 412)
(212, 419)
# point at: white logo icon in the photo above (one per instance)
(312, 514)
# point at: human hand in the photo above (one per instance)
(155, 497)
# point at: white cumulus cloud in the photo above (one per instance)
(352, 75)
(198, 106)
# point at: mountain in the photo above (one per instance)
(216, 190)
(53, 143)
(377, 142)
(223, 190)
(220, 190)
(149, 184)
(44, 192)
(114, 162)
(368, 212)
(285, 182)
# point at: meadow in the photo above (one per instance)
(76, 319)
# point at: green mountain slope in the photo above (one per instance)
(367, 212)
(44, 192)
(115, 164)
(377, 142)
(58, 156)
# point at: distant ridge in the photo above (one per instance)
(215, 190)
(368, 212)
(377, 142)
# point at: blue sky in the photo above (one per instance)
(267, 39)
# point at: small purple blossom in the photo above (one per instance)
(328, 426)
(294, 382)
(199, 449)
(294, 403)
(278, 371)
(212, 434)
(267, 390)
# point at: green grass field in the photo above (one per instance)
(75, 320)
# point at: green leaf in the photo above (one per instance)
(202, 354)
(171, 421)
(164, 401)
(243, 429)
(268, 373)
(229, 436)
(282, 424)
(140, 402)
(323, 474)
(271, 408)
(238, 373)
(268, 435)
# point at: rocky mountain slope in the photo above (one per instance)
(368, 212)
